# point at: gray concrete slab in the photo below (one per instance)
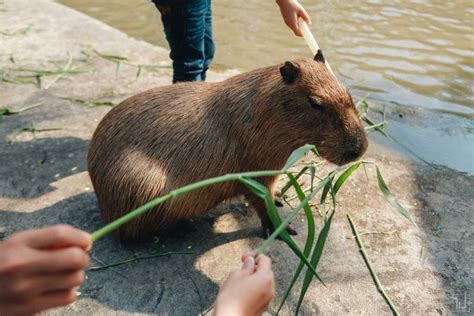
(426, 269)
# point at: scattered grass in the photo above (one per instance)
(21, 31)
(9, 111)
(371, 268)
(26, 75)
(119, 60)
(90, 102)
(66, 70)
(137, 258)
(34, 130)
(375, 232)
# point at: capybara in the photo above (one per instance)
(171, 136)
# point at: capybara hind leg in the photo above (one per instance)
(259, 205)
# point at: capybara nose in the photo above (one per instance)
(355, 146)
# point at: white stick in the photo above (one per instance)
(312, 44)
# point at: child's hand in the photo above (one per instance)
(249, 291)
(39, 269)
(291, 10)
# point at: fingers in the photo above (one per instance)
(304, 15)
(46, 301)
(56, 298)
(56, 282)
(55, 237)
(247, 254)
(40, 303)
(23, 290)
(249, 265)
(292, 15)
(69, 259)
(264, 264)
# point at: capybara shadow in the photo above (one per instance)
(171, 136)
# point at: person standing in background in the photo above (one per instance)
(188, 29)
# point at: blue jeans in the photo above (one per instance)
(188, 29)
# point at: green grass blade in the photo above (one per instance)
(343, 177)
(326, 189)
(287, 186)
(114, 58)
(391, 199)
(9, 111)
(309, 239)
(256, 188)
(39, 82)
(317, 252)
(280, 229)
(370, 267)
(297, 154)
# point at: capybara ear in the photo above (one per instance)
(319, 57)
(289, 71)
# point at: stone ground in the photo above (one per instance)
(426, 269)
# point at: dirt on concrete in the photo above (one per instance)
(426, 269)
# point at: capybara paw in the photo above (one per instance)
(268, 231)
(291, 231)
(265, 233)
(278, 202)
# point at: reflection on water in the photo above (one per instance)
(412, 52)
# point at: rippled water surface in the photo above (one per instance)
(415, 53)
(411, 52)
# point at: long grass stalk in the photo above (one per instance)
(174, 194)
(371, 268)
(309, 239)
(134, 259)
(9, 111)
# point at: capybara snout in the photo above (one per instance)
(171, 136)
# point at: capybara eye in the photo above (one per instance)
(316, 105)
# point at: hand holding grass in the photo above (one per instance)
(247, 291)
(40, 269)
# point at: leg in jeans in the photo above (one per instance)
(209, 47)
(185, 29)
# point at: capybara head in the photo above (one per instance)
(323, 107)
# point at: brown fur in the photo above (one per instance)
(167, 137)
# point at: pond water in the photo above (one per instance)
(410, 52)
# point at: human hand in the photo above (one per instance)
(291, 10)
(249, 291)
(40, 269)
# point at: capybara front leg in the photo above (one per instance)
(278, 202)
(259, 205)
